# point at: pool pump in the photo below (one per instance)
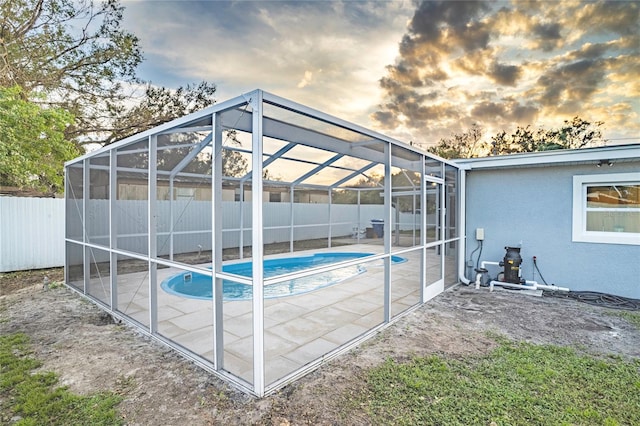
(511, 264)
(511, 274)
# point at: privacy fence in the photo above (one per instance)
(31, 233)
(32, 229)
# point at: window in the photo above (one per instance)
(606, 208)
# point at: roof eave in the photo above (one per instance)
(584, 155)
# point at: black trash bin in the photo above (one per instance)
(378, 227)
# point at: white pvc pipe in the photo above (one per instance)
(478, 279)
(511, 285)
(529, 285)
(482, 266)
(462, 247)
(479, 274)
(551, 287)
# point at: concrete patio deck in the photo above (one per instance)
(297, 329)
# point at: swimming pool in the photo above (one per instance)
(198, 286)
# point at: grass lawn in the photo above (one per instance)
(516, 384)
(32, 398)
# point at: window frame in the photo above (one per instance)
(580, 233)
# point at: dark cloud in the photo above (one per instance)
(432, 96)
(591, 51)
(404, 75)
(472, 37)
(436, 30)
(505, 74)
(434, 75)
(508, 110)
(401, 92)
(390, 84)
(432, 16)
(620, 17)
(420, 57)
(386, 118)
(483, 62)
(548, 35)
(419, 115)
(578, 68)
(547, 31)
(522, 113)
(571, 83)
(629, 45)
(488, 110)
(503, 65)
(448, 25)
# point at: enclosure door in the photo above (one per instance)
(434, 259)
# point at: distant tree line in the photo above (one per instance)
(573, 134)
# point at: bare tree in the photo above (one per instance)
(467, 144)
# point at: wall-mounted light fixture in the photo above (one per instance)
(604, 163)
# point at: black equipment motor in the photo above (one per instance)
(511, 264)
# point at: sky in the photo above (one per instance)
(416, 71)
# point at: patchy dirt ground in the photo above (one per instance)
(90, 353)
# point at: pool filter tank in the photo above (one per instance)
(511, 264)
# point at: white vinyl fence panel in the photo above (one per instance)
(31, 233)
(32, 229)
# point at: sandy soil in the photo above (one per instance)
(90, 353)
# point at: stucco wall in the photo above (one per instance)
(532, 207)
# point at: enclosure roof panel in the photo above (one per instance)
(345, 138)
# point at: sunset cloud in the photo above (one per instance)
(520, 63)
(414, 70)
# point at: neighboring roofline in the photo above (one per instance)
(555, 157)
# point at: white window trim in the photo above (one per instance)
(580, 234)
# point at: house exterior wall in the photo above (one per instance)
(533, 208)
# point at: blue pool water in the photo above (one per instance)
(198, 286)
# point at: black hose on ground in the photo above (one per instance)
(599, 299)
